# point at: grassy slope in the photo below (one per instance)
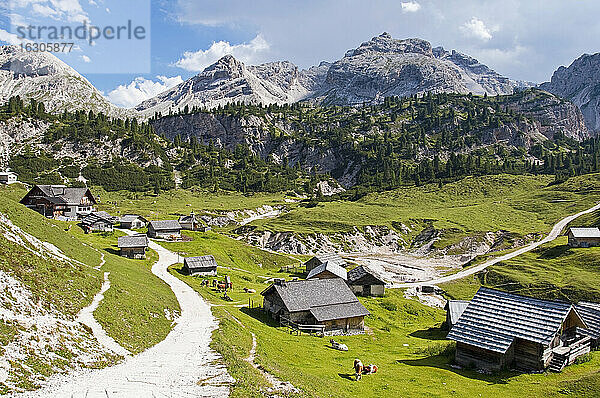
(175, 202)
(407, 371)
(520, 204)
(133, 310)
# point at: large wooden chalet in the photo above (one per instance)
(500, 330)
(324, 302)
(584, 237)
(363, 281)
(59, 201)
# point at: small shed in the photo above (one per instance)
(584, 237)
(501, 330)
(365, 282)
(328, 303)
(133, 246)
(319, 259)
(98, 221)
(8, 177)
(133, 221)
(191, 223)
(202, 265)
(164, 229)
(454, 309)
(590, 313)
(328, 271)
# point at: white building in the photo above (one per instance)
(8, 177)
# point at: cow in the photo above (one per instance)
(370, 369)
(358, 369)
(338, 346)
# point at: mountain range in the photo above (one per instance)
(378, 68)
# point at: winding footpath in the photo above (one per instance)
(182, 365)
(556, 230)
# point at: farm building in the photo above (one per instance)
(454, 309)
(363, 281)
(192, 223)
(60, 202)
(319, 259)
(98, 221)
(328, 303)
(328, 270)
(133, 246)
(590, 313)
(500, 330)
(133, 221)
(8, 177)
(584, 237)
(164, 229)
(203, 265)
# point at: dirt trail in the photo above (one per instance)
(182, 365)
(556, 230)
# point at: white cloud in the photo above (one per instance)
(60, 10)
(10, 38)
(246, 52)
(475, 28)
(141, 89)
(410, 6)
(107, 10)
(86, 59)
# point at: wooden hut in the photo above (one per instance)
(584, 237)
(500, 330)
(133, 246)
(320, 259)
(328, 270)
(164, 229)
(98, 221)
(454, 309)
(202, 265)
(365, 282)
(328, 303)
(133, 221)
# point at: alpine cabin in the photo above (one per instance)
(501, 330)
(98, 221)
(325, 303)
(364, 282)
(203, 265)
(164, 229)
(60, 202)
(133, 246)
(320, 259)
(584, 237)
(133, 221)
(328, 270)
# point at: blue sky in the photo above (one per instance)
(522, 39)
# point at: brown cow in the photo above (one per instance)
(358, 369)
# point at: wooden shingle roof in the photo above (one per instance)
(493, 319)
(590, 313)
(131, 241)
(332, 258)
(364, 276)
(165, 225)
(96, 216)
(582, 233)
(201, 262)
(331, 267)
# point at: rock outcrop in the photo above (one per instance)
(580, 83)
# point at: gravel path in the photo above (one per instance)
(556, 230)
(182, 365)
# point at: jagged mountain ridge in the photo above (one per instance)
(45, 78)
(381, 67)
(580, 83)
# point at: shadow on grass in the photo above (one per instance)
(443, 362)
(112, 250)
(430, 334)
(555, 252)
(347, 376)
(260, 315)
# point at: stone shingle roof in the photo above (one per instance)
(364, 275)
(326, 298)
(131, 241)
(493, 319)
(67, 195)
(96, 216)
(127, 218)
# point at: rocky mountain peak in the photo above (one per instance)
(226, 67)
(23, 63)
(385, 43)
